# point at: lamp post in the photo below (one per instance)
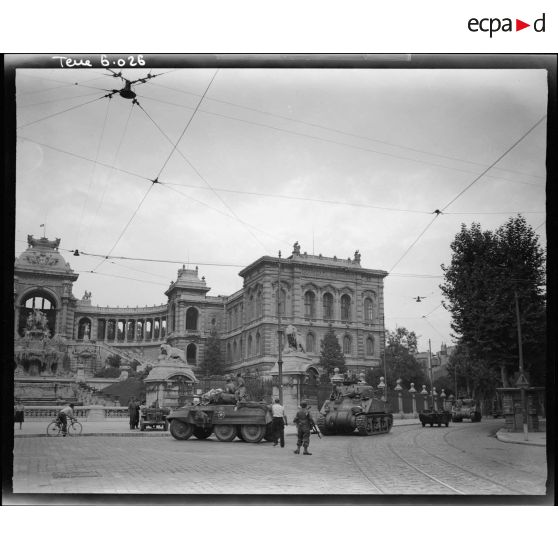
(279, 334)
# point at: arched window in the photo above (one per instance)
(309, 304)
(191, 351)
(310, 343)
(157, 329)
(249, 346)
(163, 327)
(130, 328)
(229, 357)
(192, 319)
(121, 330)
(111, 330)
(139, 330)
(148, 329)
(368, 309)
(347, 345)
(258, 344)
(250, 312)
(345, 308)
(369, 346)
(101, 329)
(235, 351)
(328, 306)
(37, 311)
(84, 328)
(240, 350)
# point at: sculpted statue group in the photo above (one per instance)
(294, 340)
(36, 320)
(171, 353)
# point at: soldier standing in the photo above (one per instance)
(304, 424)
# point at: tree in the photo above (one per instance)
(213, 362)
(491, 275)
(400, 358)
(114, 361)
(331, 355)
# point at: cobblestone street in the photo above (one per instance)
(464, 459)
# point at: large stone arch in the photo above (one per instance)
(24, 307)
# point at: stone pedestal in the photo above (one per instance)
(294, 372)
(96, 413)
(165, 380)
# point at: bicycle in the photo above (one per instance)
(73, 428)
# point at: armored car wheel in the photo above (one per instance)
(225, 432)
(252, 433)
(202, 433)
(181, 430)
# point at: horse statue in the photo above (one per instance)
(172, 353)
(294, 339)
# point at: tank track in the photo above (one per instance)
(369, 425)
(322, 427)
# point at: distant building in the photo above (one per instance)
(315, 291)
(439, 361)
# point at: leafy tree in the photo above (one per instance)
(331, 355)
(400, 358)
(491, 275)
(213, 362)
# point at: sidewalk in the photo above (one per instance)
(533, 438)
(121, 428)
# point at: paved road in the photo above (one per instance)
(411, 460)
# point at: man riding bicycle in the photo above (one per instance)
(64, 414)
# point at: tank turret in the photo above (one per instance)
(354, 406)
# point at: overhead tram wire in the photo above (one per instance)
(83, 158)
(233, 213)
(495, 162)
(336, 130)
(109, 178)
(61, 112)
(154, 181)
(20, 106)
(93, 170)
(439, 212)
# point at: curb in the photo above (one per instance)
(502, 437)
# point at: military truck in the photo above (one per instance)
(354, 406)
(222, 416)
(466, 409)
(153, 417)
(433, 416)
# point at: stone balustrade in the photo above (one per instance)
(83, 413)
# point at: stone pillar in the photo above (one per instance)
(424, 394)
(443, 396)
(435, 398)
(382, 386)
(399, 391)
(413, 392)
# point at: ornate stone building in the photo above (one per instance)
(315, 291)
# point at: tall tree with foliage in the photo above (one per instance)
(331, 355)
(400, 358)
(213, 363)
(492, 275)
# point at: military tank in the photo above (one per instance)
(352, 407)
(220, 414)
(466, 409)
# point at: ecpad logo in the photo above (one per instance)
(494, 24)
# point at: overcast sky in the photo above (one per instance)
(338, 160)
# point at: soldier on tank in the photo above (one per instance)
(304, 424)
(230, 386)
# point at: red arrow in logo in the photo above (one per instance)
(519, 25)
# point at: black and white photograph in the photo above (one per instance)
(271, 277)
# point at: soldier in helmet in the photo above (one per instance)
(304, 424)
(230, 386)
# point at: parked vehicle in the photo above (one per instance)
(153, 417)
(249, 420)
(353, 406)
(466, 409)
(432, 417)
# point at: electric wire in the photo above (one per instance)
(61, 112)
(92, 175)
(56, 100)
(495, 162)
(112, 170)
(336, 130)
(543, 223)
(233, 213)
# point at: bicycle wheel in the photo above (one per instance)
(53, 429)
(74, 429)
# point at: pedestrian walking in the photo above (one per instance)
(137, 415)
(304, 424)
(279, 421)
(19, 413)
(132, 412)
